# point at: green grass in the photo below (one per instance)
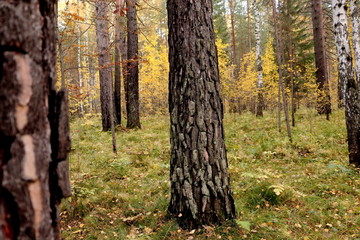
(303, 190)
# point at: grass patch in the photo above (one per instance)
(304, 190)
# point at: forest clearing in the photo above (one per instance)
(303, 190)
(179, 119)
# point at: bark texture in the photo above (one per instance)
(346, 76)
(260, 98)
(103, 43)
(200, 186)
(355, 35)
(132, 76)
(322, 80)
(34, 130)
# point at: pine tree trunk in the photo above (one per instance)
(103, 43)
(132, 77)
(260, 99)
(280, 59)
(200, 185)
(322, 80)
(34, 130)
(346, 76)
(117, 75)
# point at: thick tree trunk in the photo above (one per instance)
(106, 92)
(346, 76)
(322, 80)
(103, 43)
(200, 185)
(132, 76)
(34, 130)
(260, 98)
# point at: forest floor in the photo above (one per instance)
(303, 190)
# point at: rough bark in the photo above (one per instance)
(346, 76)
(200, 185)
(103, 43)
(34, 130)
(260, 98)
(106, 89)
(322, 80)
(132, 76)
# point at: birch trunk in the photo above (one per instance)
(346, 76)
(260, 99)
(200, 185)
(355, 36)
(34, 130)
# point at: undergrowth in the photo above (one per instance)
(282, 190)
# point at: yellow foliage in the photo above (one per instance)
(154, 68)
(270, 74)
(246, 86)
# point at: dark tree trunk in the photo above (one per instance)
(132, 76)
(323, 97)
(117, 75)
(103, 43)
(34, 130)
(200, 185)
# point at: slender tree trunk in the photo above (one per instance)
(61, 60)
(233, 40)
(280, 59)
(200, 185)
(117, 80)
(260, 98)
(248, 24)
(346, 76)
(79, 56)
(34, 130)
(322, 80)
(132, 77)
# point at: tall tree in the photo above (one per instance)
(346, 77)
(34, 130)
(233, 40)
(119, 32)
(106, 89)
(200, 186)
(132, 76)
(281, 62)
(322, 79)
(103, 43)
(260, 98)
